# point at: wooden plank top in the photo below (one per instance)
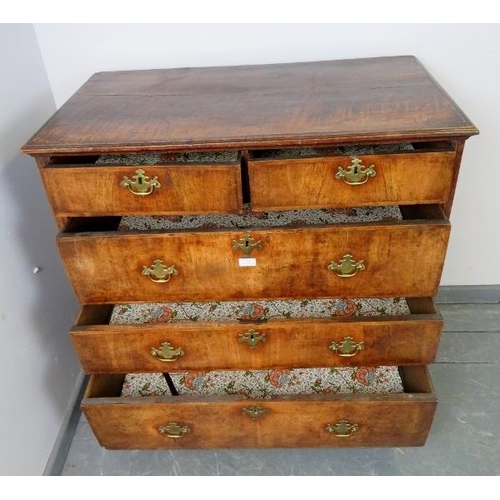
(314, 103)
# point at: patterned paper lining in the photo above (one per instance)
(267, 383)
(232, 156)
(333, 151)
(157, 158)
(249, 219)
(129, 314)
(263, 383)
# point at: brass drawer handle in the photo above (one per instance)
(347, 267)
(174, 430)
(342, 429)
(254, 412)
(356, 174)
(166, 352)
(159, 272)
(347, 348)
(246, 244)
(140, 185)
(252, 338)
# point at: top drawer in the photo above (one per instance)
(351, 176)
(144, 184)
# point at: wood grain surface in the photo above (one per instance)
(327, 102)
(95, 190)
(310, 182)
(289, 343)
(290, 422)
(401, 259)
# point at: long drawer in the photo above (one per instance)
(307, 342)
(226, 421)
(373, 259)
(340, 181)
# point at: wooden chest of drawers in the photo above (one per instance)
(269, 238)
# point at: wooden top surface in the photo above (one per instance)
(357, 100)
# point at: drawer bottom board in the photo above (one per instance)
(235, 421)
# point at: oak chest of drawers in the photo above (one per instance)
(256, 250)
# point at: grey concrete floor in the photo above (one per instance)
(464, 439)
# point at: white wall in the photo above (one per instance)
(463, 58)
(38, 369)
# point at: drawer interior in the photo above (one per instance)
(244, 312)
(225, 419)
(145, 159)
(260, 220)
(352, 150)
(235, 156)
(258, 312)
(263, 384)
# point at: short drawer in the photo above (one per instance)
(402, 258)
(154, 337)
(230, 421)
(334, 180)
(143, 184)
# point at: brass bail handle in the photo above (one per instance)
(174, 430)
(347, 348)
(356, 174)
(347, 267)
(166, 352)
(159, 272)
(140, 184)
(342, 429)
(254, 412)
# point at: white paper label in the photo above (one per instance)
(247, 262)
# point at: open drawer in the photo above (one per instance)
(144, 184)
(278, 255)
(239, 335)
(351, 176)
(233, 420)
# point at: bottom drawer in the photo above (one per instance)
(236, 421)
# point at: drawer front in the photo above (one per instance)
(315, 182)
(82, 191)
(385, 340)
(231, 421)
(388, 260)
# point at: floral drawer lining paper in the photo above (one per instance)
(159, 158)
(232, 156)
(267, 383)
(129, 314)
(263, 383)
(248, 219)
(330, 151)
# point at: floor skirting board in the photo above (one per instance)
(64, 438)
(469, 294)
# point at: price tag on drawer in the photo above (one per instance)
(247, 262)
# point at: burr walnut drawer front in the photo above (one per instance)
(334, 180)
(143, 184)
(226, 421)
(387, 332)
(373, 259)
